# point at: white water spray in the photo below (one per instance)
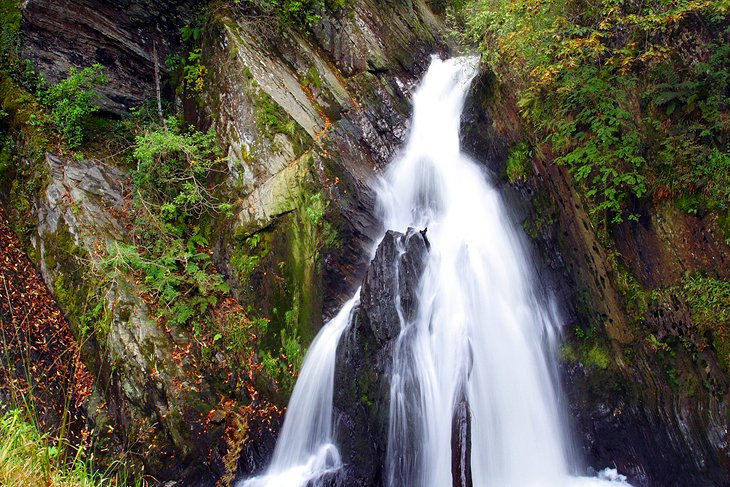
(482, 333)
(305, 449)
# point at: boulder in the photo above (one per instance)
(365, 355)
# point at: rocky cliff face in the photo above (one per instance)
(308, 120)
(122, 35)
(645, 378)
(145, 387)
(662, 396)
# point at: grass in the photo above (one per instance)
(30, 458)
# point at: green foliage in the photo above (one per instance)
(248, 254)
(194, 71)
(188, 71)
(191, 33)
(709, 302)
(312, 78)
(22, 178)
(586, 348)
(173, 166)
(64, 106)
(272, 119)
(657, 344)
(597, 357)
(690, 126)
(30, 457)
(10, 18)
(172, 195)
(518, 162)
(299, 13)
(629, 110)
(71, 100)
(180, 279)
(313, 212)
(12, 64)
(590, 356)
(284, 368)
(241, 332)
(598, 142)
(6, 160)
(709, 299)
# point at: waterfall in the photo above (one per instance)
(304, 450)
(483, 336)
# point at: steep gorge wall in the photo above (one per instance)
(308, 120)
(646, 383)
(335, 109)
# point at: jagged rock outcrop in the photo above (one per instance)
(335, 110)
(365, 355)
(119, 34)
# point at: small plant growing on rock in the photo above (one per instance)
(173, 197)
(72, 100)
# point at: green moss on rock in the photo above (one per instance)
(75, 285)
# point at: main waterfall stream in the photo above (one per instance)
(482, 333)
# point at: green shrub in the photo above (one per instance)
(629, 111)
(709, 302)
(71, 100)
(173, 196)
(518, 162)
(173, 166)
(12, 64)
(194, 71)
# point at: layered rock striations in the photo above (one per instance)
(122, 35)
(335, 107)
(308, 120)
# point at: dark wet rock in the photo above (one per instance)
(461, 443)
(394, 273)
(365, 355)
(118, 34)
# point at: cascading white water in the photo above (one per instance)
(305, 450)
(481, 333)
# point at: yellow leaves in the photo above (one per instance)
(655, 54)
(544, 76)
(583, 46)
(195, 71)
(606, 23)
